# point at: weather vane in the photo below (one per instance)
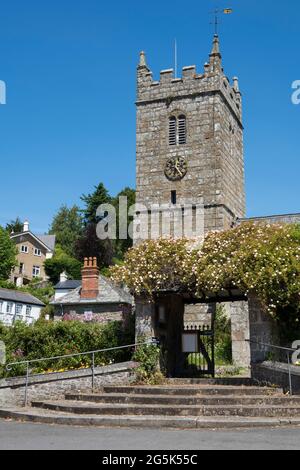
(216, 13)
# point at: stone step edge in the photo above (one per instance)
(176, 422)
(190, 387)
(67, 404)
(90, 398)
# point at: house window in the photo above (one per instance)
(172, 130)
(1, 305)
(37, 252)
(22, 268)
(28, 310)
(24, 249)
(9, 307)
(177, 130)
(36, 271)
(19, 308)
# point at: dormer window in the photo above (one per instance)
(177, 130)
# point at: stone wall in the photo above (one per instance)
(263, 329)
(213, 148)
(274, 219)
(100, 313)
(250, 323)
(144, 319)
(54, 386)
(277, 373)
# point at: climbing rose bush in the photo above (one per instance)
(155, 265)
(254, 258)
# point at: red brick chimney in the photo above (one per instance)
(90, 279)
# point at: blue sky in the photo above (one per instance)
(69, 121)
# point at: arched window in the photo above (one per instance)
(172, 130)
(182, 130)
(177, 130)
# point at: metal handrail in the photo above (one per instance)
(282, 348)
(270, 345)
(10, 365)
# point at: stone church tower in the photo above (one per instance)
(190, 141)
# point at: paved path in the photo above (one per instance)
(22, 436)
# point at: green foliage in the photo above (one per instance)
(223, 343)
(253, 258)
(44, 294)
(148, 356)
(89, 245)
(67, 225)
(8, 253)
(122, 246)
(49, 339)
(15, 226)
(93, 201)
(7, 285)
(155, 265)
(62, 262)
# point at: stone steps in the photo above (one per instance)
(76, 407)
(174, 422)
(192, 390)
(177, 400)
(176, 405)
(240, 381)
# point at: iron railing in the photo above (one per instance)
(282, 354)
(27, 363)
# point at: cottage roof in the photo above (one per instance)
(109, 293)
(19, 296)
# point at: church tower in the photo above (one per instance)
(190, 141)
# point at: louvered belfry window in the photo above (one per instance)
(177, 130)
(182, 130)
(172, 130)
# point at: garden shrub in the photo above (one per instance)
(148, 356)
(49, 339)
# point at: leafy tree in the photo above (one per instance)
(15, 226)
(62, 262)
(67, 225)
(93, 201)
(8, 253)
(122, 246)
(89, 245)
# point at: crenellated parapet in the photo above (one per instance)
(168, 88)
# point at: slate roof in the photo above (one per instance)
(109, 293)
(18, 296)
(70, 284)
(47, 240)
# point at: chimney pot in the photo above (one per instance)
(90, 279)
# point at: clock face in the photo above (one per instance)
(176, 168)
